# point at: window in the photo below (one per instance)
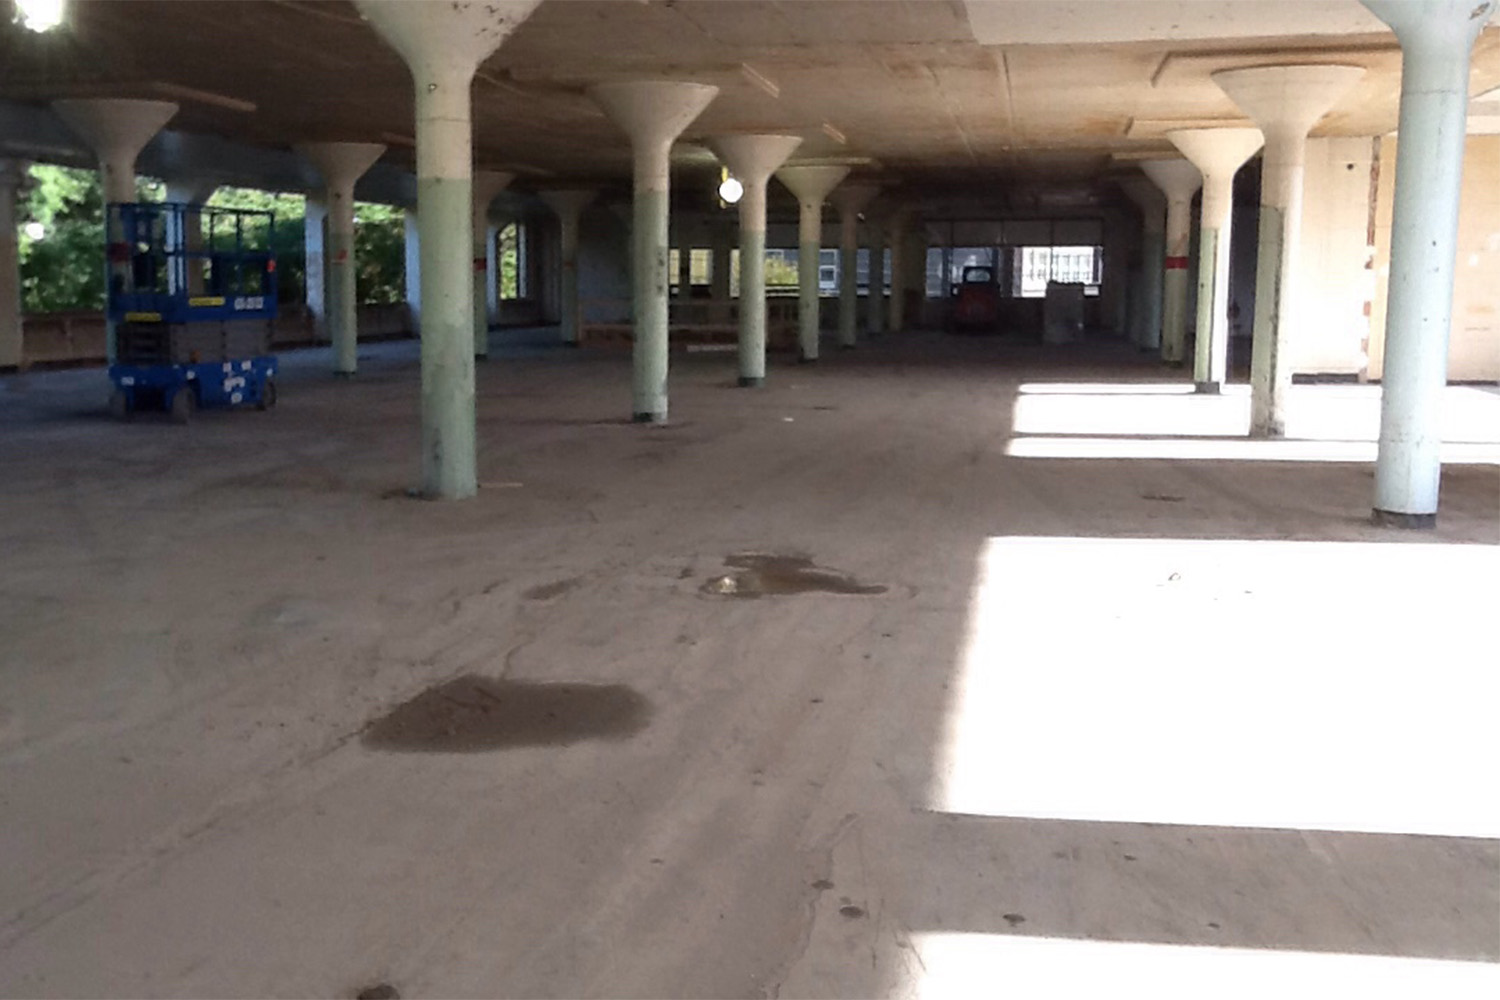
(1079, 265)
(514, 270)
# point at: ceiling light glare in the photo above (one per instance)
(40, 15)
(731, 190)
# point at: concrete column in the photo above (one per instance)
(723, 249)
(12, 177)
(1178, 179)
(413, 269)
(116, 130)
(875, 288)
(194, 193)
(1437, 37)
(653, 113)
(341, 164)
(811, 183)
(1285, 101)
(850, 199)
(1218, 153)
(487, 185)
(897, 235)
(314, 261)
(569, 205)
(443, 45)
(752, 159)
(1148, 198)
(684, 265)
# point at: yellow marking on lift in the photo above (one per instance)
(143, 317)
(206, 300)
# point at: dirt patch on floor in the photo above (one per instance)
(472, 714)
(759, 574)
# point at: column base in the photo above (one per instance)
(1397, 519)
(481, 357)
(847, 347)
(1207, 388)
(571, 343)
(339, 374)
(649, 418)
(803, 359)
(751, 382)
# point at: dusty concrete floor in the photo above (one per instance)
(1085, 726)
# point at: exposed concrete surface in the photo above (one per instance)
(199, 622)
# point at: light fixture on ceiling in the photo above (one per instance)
(730, 188)
(40, 15)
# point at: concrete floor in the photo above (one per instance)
(1140, 703)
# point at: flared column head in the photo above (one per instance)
(115, 128)
(1178, 179)
(488, 184)
(753, 158)
(1147, 197)
(652, 112)
(1217, 152)
(1287, 100)
(568, 203)
(811, 182)
(851, 199)
(453, 37)
(341, 163)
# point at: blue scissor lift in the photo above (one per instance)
(192, 295)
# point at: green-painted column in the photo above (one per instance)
(445, 209)
(12, 175)
(343, 301)
(809, 250)
(1211, 347)
(753, 283)
(848, 277)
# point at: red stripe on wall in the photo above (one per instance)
(1177, 263)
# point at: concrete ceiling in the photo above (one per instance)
(933, 91)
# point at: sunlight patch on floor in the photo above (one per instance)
(954, 966)
(1230, 449)
(1308, 685)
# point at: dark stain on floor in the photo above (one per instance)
(556, 588)
(759, 574)
(472, 714)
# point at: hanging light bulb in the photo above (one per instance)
(731, 190)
